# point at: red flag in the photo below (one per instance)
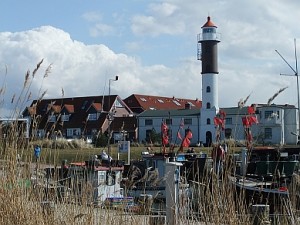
(222, 114)
(252, 120)
(251, 110)
(245, 121)
(164, 127)
(189, 134)
(164, 133)
(186, 142)
(165, 140)
(217, 121)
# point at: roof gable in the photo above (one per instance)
(69, 108)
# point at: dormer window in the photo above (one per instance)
(176, 102)
(191, 104)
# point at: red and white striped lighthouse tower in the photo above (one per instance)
(208, 54)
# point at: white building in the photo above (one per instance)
(276, 124)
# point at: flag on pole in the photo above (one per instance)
(164, 133)
(181, 125)
(187, 139)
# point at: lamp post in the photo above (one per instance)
(110, 115)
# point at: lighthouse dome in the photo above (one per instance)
(209, 23)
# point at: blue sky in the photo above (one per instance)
(150, 45)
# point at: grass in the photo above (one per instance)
(55, 156)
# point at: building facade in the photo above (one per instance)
(276, 124)
(79, 117)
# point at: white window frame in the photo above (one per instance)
(92, 117)
(52, 118)
(65, 118)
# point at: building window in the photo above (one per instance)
(228, 132)
(207, 121)
(73, 132)
(148, 122)
(268, 133)
(228, 120)
(169, 121)
(65, 118)
(268, 114)
(208, 105)
(92, 116)
(208, 89)
(52, 118)
(188, 121)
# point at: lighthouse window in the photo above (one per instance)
(208, 121)
(208, 89)
(209, 30)
(208, 105)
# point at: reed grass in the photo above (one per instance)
(25, 197)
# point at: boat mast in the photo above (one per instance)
(297, 77)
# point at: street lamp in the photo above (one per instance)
(110, 114)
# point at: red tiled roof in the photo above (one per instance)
(139, 103)
(80, 108)
(97, 106)
(69, 108)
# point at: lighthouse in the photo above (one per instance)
(208, 55)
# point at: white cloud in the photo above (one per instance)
(82, 69)
(250, 33)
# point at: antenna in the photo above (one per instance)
(297, 76)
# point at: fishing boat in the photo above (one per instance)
(95, 182)
(265, 174)
(148, 176)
